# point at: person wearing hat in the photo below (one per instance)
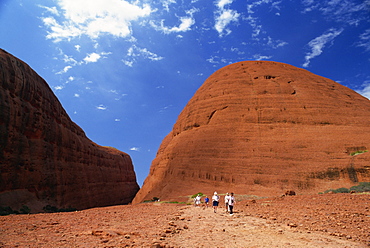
(215, 200)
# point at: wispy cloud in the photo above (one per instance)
(186, 22)
(73, 18)
(135, 149)
(253, 20)
(52, 10)
(343, 11)
(101, 107)
(276, 43)
(224, 17)
(134, 52)
(365, 40)
(64, 70)
(365, 91)
(167, 3)
(318, 44)
(261, 57)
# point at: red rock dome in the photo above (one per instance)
(45, 158)
(263, 128)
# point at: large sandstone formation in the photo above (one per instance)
(262, 128)
(45, 158)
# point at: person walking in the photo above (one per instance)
(197, 200)
(206, 201)
(227, 198)
(231, 203)
(215, 200)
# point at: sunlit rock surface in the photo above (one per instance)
(263, 128)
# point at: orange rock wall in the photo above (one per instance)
(45, 158)
(263, 128)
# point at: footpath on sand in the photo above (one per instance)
(201, 227)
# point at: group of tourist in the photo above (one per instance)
(229, 202)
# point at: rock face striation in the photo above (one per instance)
(263, 128)
(45, 158)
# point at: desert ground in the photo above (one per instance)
(327, 220)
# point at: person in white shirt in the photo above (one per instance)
(227, 198)
(215, 200)
(197, 200)
(231, 203)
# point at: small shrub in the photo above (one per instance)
(154, 199)
(358, 152)
(50, 209)
(69, 209)
(342, 190)
(25, 210)
(7, 211)
(362, 187)
(53, 209)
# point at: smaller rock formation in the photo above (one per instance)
(45, 158)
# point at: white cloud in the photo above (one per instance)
(128, 63)
(221, 3)
(276, 43)
(224, 17)
(318, 44)
(60, 87)
(68, 59)
(113, 17)
(344, 11)
(101, 107)
(261, 57)
(254, 21)
(256, 27)
(365, 40)
(213, 60)
(185, 24)
(366, 90)
(162, 110)
(135, 149)
(92, 57)
(52, 10)
(166, 4)
(65, 69)
(134, 52)
(76, 95)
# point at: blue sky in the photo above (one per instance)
(123, 70)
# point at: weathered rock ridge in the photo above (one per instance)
(262, 128)
(45, 158)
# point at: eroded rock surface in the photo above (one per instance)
(263, 128)
(45, 158)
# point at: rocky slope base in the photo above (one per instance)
(264, 127)
(45, 158)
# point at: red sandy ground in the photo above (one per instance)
(330, 220)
